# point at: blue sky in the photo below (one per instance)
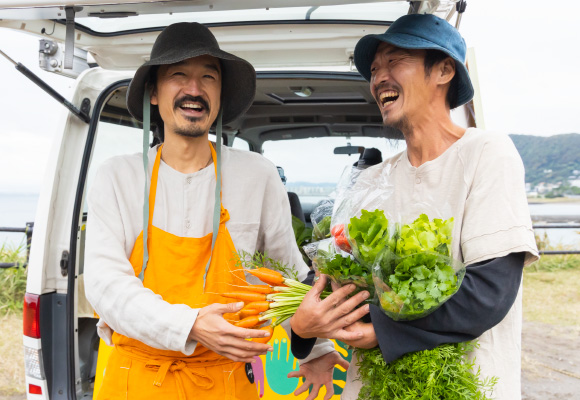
(527, 58)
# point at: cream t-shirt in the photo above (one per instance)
(260, 220)
(479, 181)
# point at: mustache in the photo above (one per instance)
(191, 99)
(384, 86)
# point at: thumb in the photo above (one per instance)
(229, 308)
(319, 286)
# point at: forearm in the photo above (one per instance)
(120, 298)
(486, 295)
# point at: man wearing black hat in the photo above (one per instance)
(417, 75)
(163, 233)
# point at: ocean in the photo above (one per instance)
(18, 209)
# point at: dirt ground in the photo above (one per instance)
(550, 362)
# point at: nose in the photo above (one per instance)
(380, 75)
(193, 86)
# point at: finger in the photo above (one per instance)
(314, 392)
(354, 316)
(246, 333)
(329, 390)
(349, 305)
(240, 354)
(345, 336)
(335, 286)
(336, 297)
(295, 374)
(247, 345)
(302, 388)
(318, 287)
(227, 308)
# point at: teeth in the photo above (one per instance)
(388, 93)
(193, 106)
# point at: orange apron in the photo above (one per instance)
(175, 270)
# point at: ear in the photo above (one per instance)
(153, 94)
(446, 69)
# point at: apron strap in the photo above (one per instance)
(146, 211)
(146, 132)
(218, 189)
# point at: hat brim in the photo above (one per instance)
(238, 81)
(364, 54)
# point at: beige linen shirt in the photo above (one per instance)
(479, 181)
(260, 219)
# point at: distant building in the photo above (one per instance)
(575, 182)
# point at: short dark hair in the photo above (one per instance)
(156, 122)
(433, 57)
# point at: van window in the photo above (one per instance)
(240, 144)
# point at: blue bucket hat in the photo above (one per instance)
(419, 31)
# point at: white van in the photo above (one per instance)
(309, 97)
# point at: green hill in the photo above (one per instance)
(559, 153)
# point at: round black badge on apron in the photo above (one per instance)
(250, 372)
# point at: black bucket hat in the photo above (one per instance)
(185, 40)
(419, 31)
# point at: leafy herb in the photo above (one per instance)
(321, 230)
(345, 270)
(443, 373)
(370, 234)
(303, 235)
(419, 275)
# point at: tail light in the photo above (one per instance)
(31, 329)
(31, 316)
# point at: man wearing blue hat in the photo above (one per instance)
(417, 75)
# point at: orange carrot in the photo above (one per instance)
(249, 322)
(257, 305)
(233, 317)
(245, 296)
(248, 313)
(268, 329)
(265, 289)
(268, 276)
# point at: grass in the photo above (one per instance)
(12, 289)
(12, 280)
(11, 356)
(551, 285)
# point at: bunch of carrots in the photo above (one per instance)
(277, 300)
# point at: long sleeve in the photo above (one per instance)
(278, 241)
(486, 295)
(111, 281)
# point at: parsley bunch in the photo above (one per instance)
(443, 373)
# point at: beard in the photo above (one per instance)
(191, 131)
(401, 127)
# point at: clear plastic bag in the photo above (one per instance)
(417, 274)
(340, 267)
(321, 217)
(367, 191)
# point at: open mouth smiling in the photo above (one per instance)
(388, 97)
(192, 106)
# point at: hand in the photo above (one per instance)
(318, 373)
(327, 318)
(368, 339)
(214, 332)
